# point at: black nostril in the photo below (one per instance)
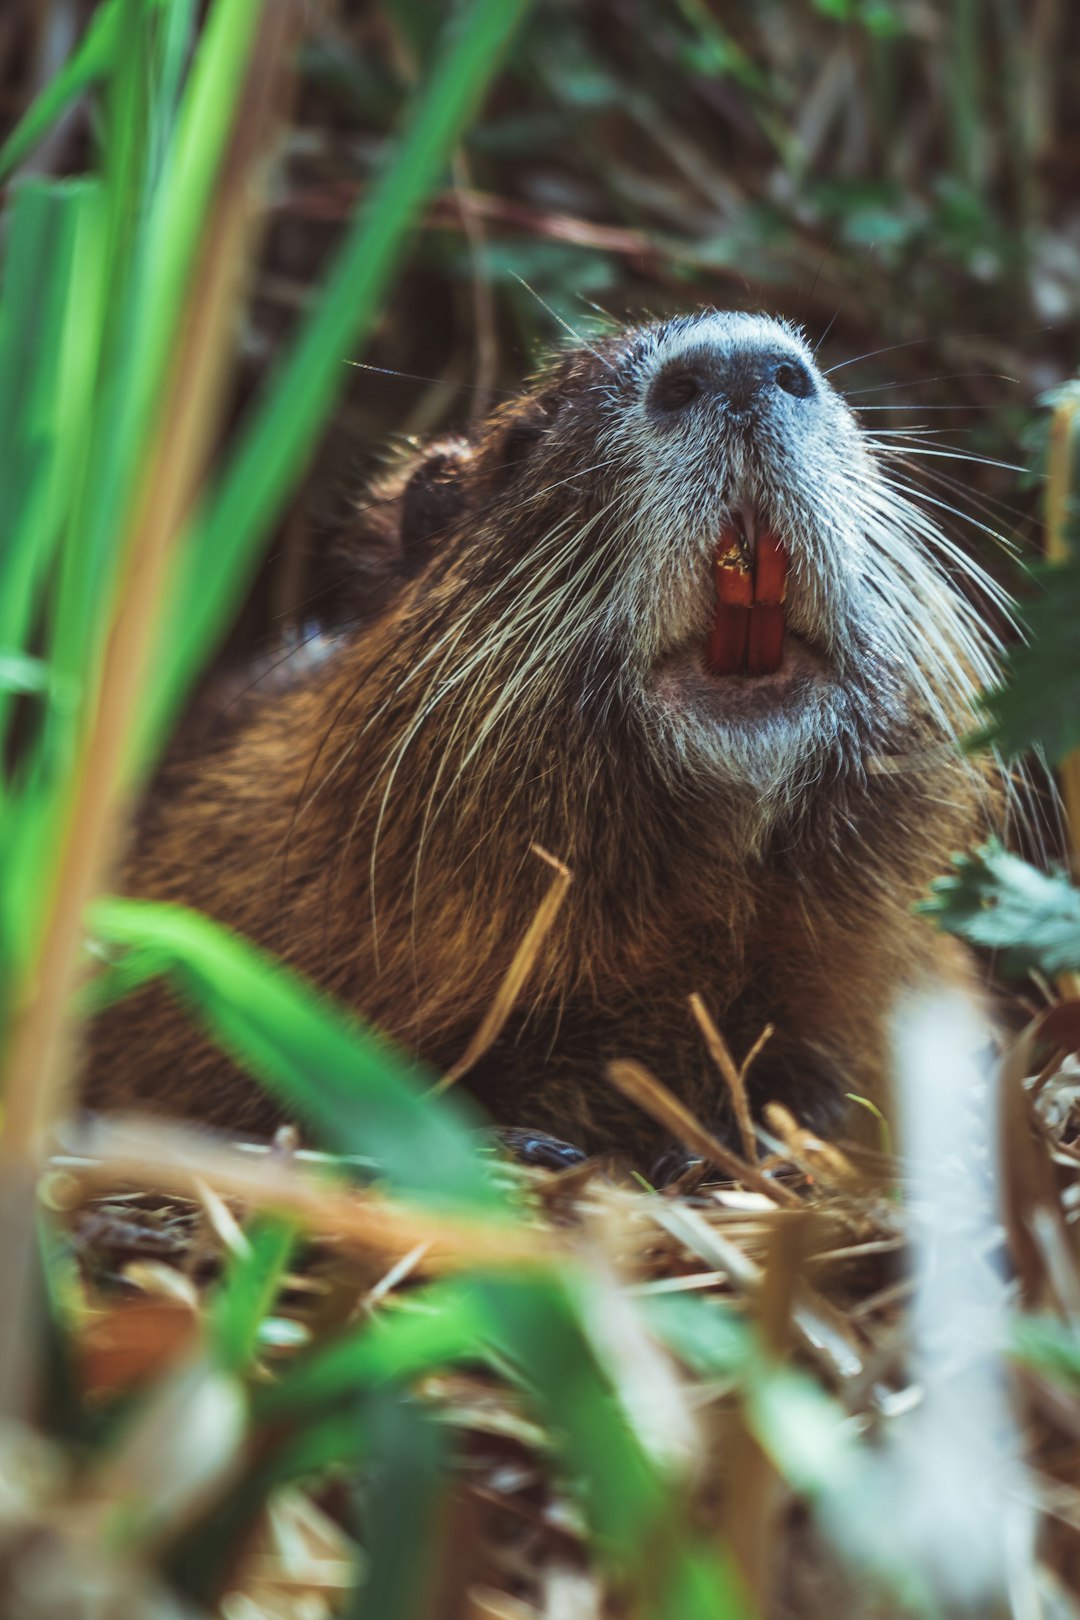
(742, 379)
(676, 386)
(794, 378)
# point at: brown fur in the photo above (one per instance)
(269, 826)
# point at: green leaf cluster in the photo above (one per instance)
(996, 900)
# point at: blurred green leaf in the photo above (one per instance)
(405, 1466)
(445, 1324)
(802, 1428)
(704, 1585)
(156, 216)
(880, 18)
(21, 673)
(537, 1333)
(88, 65)
(714, 51)
(248, 1290)
(997, 900)
(713, 1342)
(44, 387)
(351, 1087)
(1050, 1346)
(1038, 702)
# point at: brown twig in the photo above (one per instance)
(734, 1078)
(637, 1083)
(494, 1020)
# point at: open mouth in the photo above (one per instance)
(757, 662)
(747, 632)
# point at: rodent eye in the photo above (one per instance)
(524, 433)
(520, 439)
(676, 387)
(794, 378)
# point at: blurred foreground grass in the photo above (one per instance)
(396, 1379)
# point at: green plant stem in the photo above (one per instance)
(89, 818)
(223, 548)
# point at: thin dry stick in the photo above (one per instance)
(720, 1053)
(494, 1020)
(120, 1154)
(755, 1052)
(637, 1083)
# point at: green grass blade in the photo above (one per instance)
(247, 1292)
(709, 1340)
(48, 312)
(703, 1586)
(228, 533)
(450, 1323)
(353, 1089)
(539, 1334)
(1051, 1347)
(162, 164)
(152, 243)
(90, 64)
(409, 1458)
(38, 272)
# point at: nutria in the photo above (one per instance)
(667, 616)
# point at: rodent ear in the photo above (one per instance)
(523, 433)
(433, 499)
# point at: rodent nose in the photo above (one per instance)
(739, 378)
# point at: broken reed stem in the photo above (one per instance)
(734, 1078)
(123, 1154)
(755, 1489)
(821, 1161)
(494, 1020)
(640, 1086)
(39, 1059)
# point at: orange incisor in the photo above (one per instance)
(747, 636)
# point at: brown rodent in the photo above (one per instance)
(546, 675)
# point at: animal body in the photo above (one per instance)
(751, 780)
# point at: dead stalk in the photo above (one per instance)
(637, 1083)
(521, 966)
(734, 1078)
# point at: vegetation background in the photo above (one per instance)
(903, 180)
(393, 1380)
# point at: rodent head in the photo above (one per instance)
(568, 579)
